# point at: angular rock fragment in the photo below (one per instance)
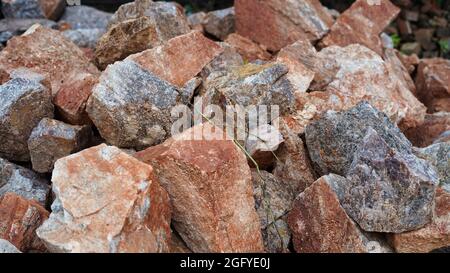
(51, 9)
(51, 140)
(85, 17)
(228, 58)
(261, 144)
(23, 103)
(19, 219)
(333, 140)
(273, 199)
(249, 50)
(23, 182)
(106, 201)
(276, 23)
(209, 183)
(438, 155)
(319, 223)
(433, 84)
(388, 190)
(7, 247)
(432, 236)
(219, 23)
(362, 24)
(432, 130)
(195, 20)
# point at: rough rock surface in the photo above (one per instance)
(388, 190)
(228, 58)
(362, 24)
(439, 156)
(7, 247)
(273, 200)
(86, 38)
(85, 17)
(209, 183)
(276, 23)
(19, 219)
(180, 59)
(249, 50)
(432, 236)
(51, 9)
(23, 103)
(23, 182)
(10, 27)
(106, 201)
(432, 130)
(219, 23)
(261, 144)
(51, 140)
(195, 20)
(333, 140)
(433, 84)
(319, 223)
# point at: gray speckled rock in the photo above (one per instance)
(131, 106)
(51, 140)
(333, 139)
(388, 190)
(251, 84)
(7, 247)
(439, 156)
(51, 9)
(23, 103)
(84, 37)
(10, 27)
(85, 17)
(219, 23)
(273, 199)
(23, 182)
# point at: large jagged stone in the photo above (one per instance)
(439, 156)
(319, 223)
(51, 9)
(138, 26)
(251, 84)
(433, 84)
(23, 103)
(51, 140)
(219, 23)
(47, 52)
(362, 24)
(23, 182)
(276, 23)
(249, 50)
(209, 183)
(19, 219)
(85, 17)
(333, 140)
(106, 201)
(273, 200)
(7, 247)
(388, 190)
(432, 236)
(434, 129)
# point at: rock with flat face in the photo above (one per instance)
(261, 144)
(85, 17)
(433, 130)
(333, 140)
(106, 201)
(433, 84)
(362, 24)
(209, 183)
(249, 50)
(51, 9)
(276, 23)
(23, 103)
(51, 140)
(23, 182)
(439, 156)
(19, 219)
(388, 190)
(319, 223)
(432, 236)
(273, 199)
(219, 23)
(7, 247)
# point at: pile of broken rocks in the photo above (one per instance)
(88, 162)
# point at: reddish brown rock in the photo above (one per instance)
(410, 62)
(429, 132)
(19, 219)
(433, 84)
(433, 236)
(47, 52)
(249, 50)
(106, 201)
(180, 59)
(400, 72)
(362, 24)
(276, 23)
(209, 183)
(319, 224)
